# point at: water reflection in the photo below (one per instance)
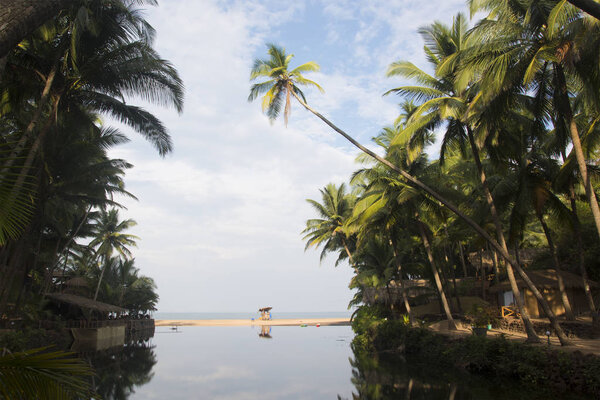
(265, 332)
(120, 371)
(393, 377)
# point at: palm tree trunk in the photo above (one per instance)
(436, 277)
(390, 299)
(456, 296)
(589, 6)
(582, 269)
(44, 98)
(401, 279)
(567, 112)
(349, 254)
(496, 267)
(462, 259)
(501, 250)
(561, 283)
(483, 277)
(100, 280)
(531, 335)
(20, 18)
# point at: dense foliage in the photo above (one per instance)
(58, 218)
(514, 100)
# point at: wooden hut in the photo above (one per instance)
(88, 321)
(547, 283)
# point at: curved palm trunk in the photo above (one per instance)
(527, 324)
(589, 6)
(348, 252)
(567, 112)
(436, 277)
(420, 185)
(402, 287)
(561, 283)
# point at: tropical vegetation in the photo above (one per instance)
(514, 100)
(76, 63)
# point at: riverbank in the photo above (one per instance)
(250, 322)
(499, 358)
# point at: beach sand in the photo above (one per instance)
(248, 322)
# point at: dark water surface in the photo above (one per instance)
(292, 363)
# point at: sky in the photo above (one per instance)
(220, 219)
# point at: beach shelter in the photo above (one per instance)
(265, 313)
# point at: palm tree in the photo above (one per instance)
(280, 82)
(81, 68)
(330, 229)
(444, 103)
(109, 237)
(522, 39)
(284, 80)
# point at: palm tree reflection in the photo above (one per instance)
(120, 372)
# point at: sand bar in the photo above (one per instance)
(248, 322)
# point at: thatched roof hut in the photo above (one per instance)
(544, 279)
(478, 258)
(84, 303)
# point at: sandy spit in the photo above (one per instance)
(248, 322)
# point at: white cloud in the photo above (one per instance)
(224, 212)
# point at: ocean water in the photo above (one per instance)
(251, 314)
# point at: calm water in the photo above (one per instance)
(292, 363)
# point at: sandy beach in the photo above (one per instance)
(248, 322)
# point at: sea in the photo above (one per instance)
(251, 314)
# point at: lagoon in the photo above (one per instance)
(283, 362)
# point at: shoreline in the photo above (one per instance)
(248, 322)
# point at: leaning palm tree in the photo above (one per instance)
(280, 83)
(285, 80)
(110, 237)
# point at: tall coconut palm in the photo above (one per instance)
(521, 38)
(92, 66)
(392, 204)
(110, 238)
(444, 103)
(330, 229)
(284, 80)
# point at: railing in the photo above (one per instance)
(130, 324)
(95, 324)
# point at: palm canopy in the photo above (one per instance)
(110, 235)
(330, 229)
(279, 81)
(439, 100)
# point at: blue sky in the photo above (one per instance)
(220, 218)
